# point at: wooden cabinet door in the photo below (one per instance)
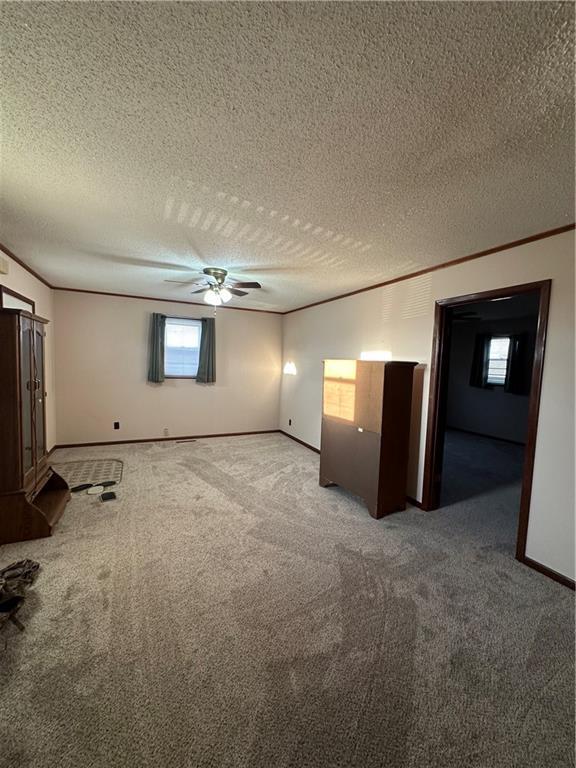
(27, 395)
(39, 395)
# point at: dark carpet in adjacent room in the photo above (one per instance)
(475, 466)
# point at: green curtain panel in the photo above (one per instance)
(207, 358)
(156, 351)
(519, 378)
(479, 360)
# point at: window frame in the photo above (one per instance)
(491, 384)
(180, 317)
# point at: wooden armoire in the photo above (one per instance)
(32, 495)
(366, 413)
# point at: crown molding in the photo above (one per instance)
(409, 276)
(169, 301)
(444, 265)
(43, 280)
(25, 266)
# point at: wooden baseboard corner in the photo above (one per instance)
(297, 440)
(545, 571)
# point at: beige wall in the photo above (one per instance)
(101, 358)
(399, 318)
(21, 281)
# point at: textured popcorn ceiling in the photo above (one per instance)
(316, 147)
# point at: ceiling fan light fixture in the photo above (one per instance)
(225, 295)
(212, 297)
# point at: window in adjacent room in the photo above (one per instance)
(182, 348)
(497, 360)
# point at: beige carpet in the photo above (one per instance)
(228, 612)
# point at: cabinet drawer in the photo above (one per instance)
(350, 458)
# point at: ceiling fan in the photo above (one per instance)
(464, 316)
(215, 288)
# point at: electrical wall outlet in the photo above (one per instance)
(116, 425)
(3, 266)
(166, 433)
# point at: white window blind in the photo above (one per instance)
(182, 347)
(498, 360)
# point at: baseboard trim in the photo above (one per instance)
(164, 439)
(297, 440)
(545, 571)
(483, 434)
(414, 503)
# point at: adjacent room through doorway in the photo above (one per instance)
(491, 348)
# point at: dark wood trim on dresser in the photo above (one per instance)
(32, 495)
(4, 290)
(436, 406)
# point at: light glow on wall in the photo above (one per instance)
(290, 368)
(376, 354)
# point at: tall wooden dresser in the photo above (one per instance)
(32, 495)
(366, 429)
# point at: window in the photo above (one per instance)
(182, 347)
(497, 360)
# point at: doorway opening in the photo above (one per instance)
(487, 363)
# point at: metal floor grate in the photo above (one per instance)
(90, 471)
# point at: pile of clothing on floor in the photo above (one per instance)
(14, 581)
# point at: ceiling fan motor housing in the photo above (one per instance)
(218, 274)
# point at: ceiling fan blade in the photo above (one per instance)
(194, 247)
(236, 292)
(247, 285)
(184, 282)
(202, 290)
(135, 261)
(241, 269)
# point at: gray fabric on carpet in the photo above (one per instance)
(228, 612)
